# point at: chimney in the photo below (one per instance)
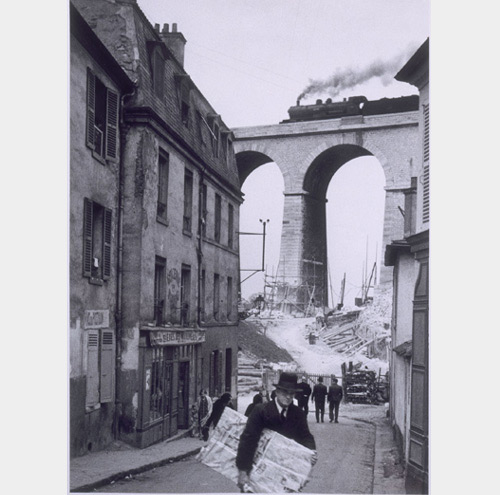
(175, 42)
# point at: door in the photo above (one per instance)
(183, 407)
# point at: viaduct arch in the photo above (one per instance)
(308, 154)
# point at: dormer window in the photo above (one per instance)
(184, 85)
(157, 56)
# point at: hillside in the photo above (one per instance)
(254, 344)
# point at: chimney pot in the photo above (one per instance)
(174, 27)
(157, 28)
(165, 28)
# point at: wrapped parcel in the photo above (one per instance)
(280, 464)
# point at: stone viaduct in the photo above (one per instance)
(309, 153)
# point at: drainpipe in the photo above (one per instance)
(119, 268)
(201, 219)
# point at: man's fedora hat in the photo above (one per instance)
(287, 381)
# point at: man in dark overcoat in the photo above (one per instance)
(334, 397)
(303, 394)
(318, 397)
(280, 415)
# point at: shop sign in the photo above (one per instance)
(96, 318)
(176, 337)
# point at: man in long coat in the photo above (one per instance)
(279, 414)
(318, 397)
(334, 397)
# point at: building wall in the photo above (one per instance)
(89, 178)
(405, 277)
(153, 120)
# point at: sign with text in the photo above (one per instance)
(176, 337)
(96, 318)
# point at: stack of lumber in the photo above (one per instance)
(249, 375)
(363, 386)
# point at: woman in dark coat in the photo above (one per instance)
(257, 399)
(217, 410)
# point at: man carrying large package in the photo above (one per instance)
(279, 415)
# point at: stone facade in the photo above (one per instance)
(174, 196)
(308, 154)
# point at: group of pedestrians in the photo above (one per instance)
(319, 394)
(206, 413)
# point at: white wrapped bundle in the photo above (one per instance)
(280, 464)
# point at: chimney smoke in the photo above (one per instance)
(349, 77)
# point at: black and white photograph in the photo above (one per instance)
(250, 289)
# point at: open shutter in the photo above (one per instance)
(111, 123)
(106, 248)
(426, 206)
(87, 237)
(92, 396)
(107, 365)
(90, 108)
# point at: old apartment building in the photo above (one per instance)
(409, 406)
(154, 205)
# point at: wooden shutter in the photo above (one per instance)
(426, 151)
(92, 396)
(219, 378)
(106, 247)
(88, 221)
(107, 365)
(111, 123)
(90, 108)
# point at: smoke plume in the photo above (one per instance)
(349, 77)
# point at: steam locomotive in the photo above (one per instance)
(354, 105)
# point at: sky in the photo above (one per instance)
(253, 59)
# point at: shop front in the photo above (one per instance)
(170, 362)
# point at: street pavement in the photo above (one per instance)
(356, 455)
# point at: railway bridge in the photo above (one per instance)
(309, 153)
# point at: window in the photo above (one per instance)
(160, 379)
(97, 229)
(102, 118)
(215, 139)
(185, 113)
(229, 369)
(203, 288)
(215, 378)
(203, 210)
(218, 211)
(230, 225)
(199, 128)
(100, 377)
(216, 296)
(159, 291)
(158, 71)
(229, 298)
(163, 165)
(185, 294)
(188, 201)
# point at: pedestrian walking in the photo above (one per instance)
(334, 397)
(318, 397)
(303, 393)
(279, 415)
(257, 399)
(204, 406)
(217, 410)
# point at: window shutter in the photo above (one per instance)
(211, 377)
(106, 248)
(87, 237)
(111, 123)
(92, 397)
(90, 108)
(426, 146)
(107, 365)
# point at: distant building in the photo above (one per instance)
(409, 403)
(165, 212)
